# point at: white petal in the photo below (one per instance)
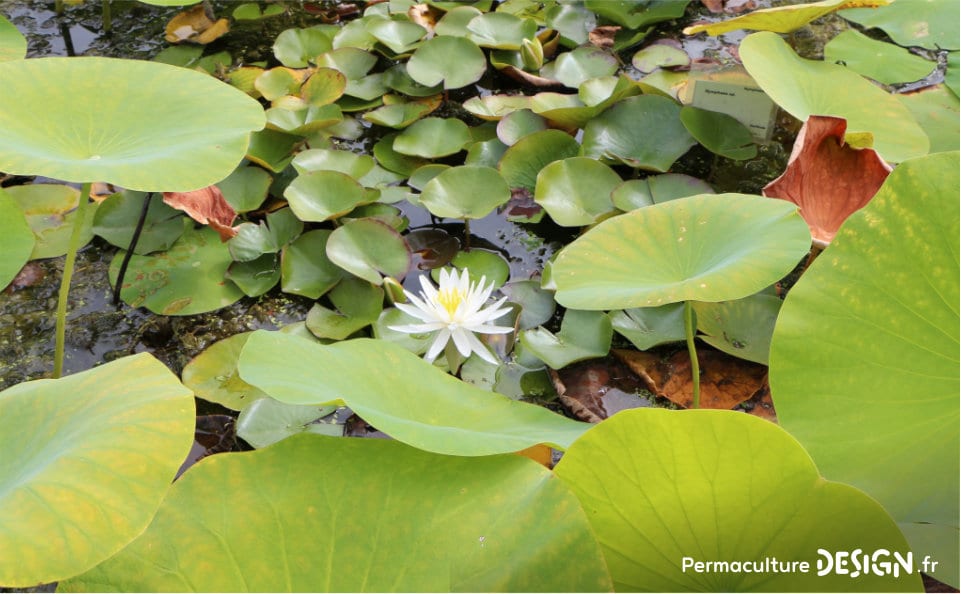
(485, 329)
(438, 345)
(417, 328)
(416, 312)
(482, 350)
(462, 341)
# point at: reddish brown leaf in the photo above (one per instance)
(761, 405)
(424, 15)
(713, 5)
(207, 206)
(827, 178)
(595, 390)
(726, 381)
(603, 36)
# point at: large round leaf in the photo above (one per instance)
(154, 129)
(465, 192)
(329, 514)
(433, 137)
(16, 239)
(456, 61)
(644, 132)
(661, 487)
(324, 195)
(576, 191)
(709, 247)
(187, 279)
(400, 394)
(864, 359)
(369, 248)
(528, 156)
(932, 24)
(804, 88)
(86, 461)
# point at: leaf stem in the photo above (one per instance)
(72, 248)
(133, 244)
(692, 351)
(466, 234)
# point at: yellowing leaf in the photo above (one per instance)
(782, 19)
(195, 26)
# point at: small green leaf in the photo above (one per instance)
(500, 30)
(369, 248)
(455, 61)
(659, 56)
(246, 188)
(295, 48)
(537, 305)
(358, 304)
(741, 328)
(266, 421)
(583, 335)
(647, 327)
(400, 36)
(719, 133)
(16, 239)
(212, 375)
(256, 276)
(305, 268)
(13, 45)
(522, 162)
(465, 192)
(574, 67)
(576, 191)
(324, 195)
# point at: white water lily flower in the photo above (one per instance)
(454, 310)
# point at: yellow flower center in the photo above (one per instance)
(450, 298)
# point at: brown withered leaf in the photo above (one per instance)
(207, 206)
(714, 6)
(827, 178)
(726, 381)
(424, 15)
(195, 26)
(596, 389)
(603, 36)
(761, 405)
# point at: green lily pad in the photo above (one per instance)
(432, 138)
(312, 498)
(324, 86)
(246, 188)
(877, 60)
(937, 110)
(537, 305)
(500, 30)
(212, 375)
(741, 328)
(519, 124)
(454, 22)
(400, 36)
(266, 421)
(278, 82)
(161, 145)
(881, 303)
(659, 56)
(117, 217)
(16, 239)
(719, 133)
(659, 495)
(647, 327)
(455, 61)
(574, 22)
(369, 248)
(87, 458)
(636, 193)
(415, 343)
(273, 149)
(397, 79)
(346, 162)
(255, 277)
(185, 280)
(522, 162)
(805, 87)
(635, 15)
(952, 74)
(574, 67)
(50, 210)
(576, 191)
(358, 304)
(251, 11)
(700, 248)
(780, 19)
(643, 132)
(932, 25)
(480, 263)
(296, 48)
(485, 154)
(267, 237)
(324, 195)
(465, 192)
(422, 175)
(305, 268)
(305, 121)
(398, 115)
(495, 107)
(400, 394)
(352, 62)
(392, 160)
(583, 335)
(13, 45)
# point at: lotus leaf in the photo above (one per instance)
(455, 61)
(500, 30)
(86, 461)
(932, 25)
(267, 421)
(305, 268)
(465, 192)
(883, 302)
(648, 327)
(659, 55)
(741, 328)
(324, 195)
(369, 248)
(522, 162)
(583, 335)
(185, 280)
(576, 191)
(16, 239)
(719, 133)
(358, 304)
(634, 15)
(643, 132)
(952, 73)
(116, 143)
(400, 36)
(936, 109)
(574, 67)
(315, 499)
(13, 45)
(432, 138)
(400, 394)
(295, 48)
(116, 218)
(781, 19)
(709, 247)
(877, 60)
(212, 375)
(658, 492)
(51, 212)
(805, 87)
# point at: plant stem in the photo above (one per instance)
(695, 368)
(107, 17)
(133, 244)
(58, 7)
(466, 235)
(68, 264)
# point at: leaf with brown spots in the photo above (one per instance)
(725, 381)
(828, 178)
(207, 206)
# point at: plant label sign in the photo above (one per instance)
(739, 98)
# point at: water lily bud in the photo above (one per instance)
(394, 290)
(532, 53)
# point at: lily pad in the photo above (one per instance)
(659, 56)
(324, 86)
(255, 277)
(537, 305)
(713, 247)
(16, 239)
(278, 82)
(358, 304)
(185, 280)
(937, 110)
(635, 193)
(13, 45)
(659, 495)
(719, 133)
(882, 297)
(399, 35)
(346, 162)
(648, 327)
(369, 248)
(50, 210)
(583, 335)
(500, 30)
(634, 15)
(296, 48)
(522, 162)
(573, 21)
(932, 24)
(329, 498)
(574, 67)
(519, 124)
(877, 60)
(305, 268)
(87, 458)
(495, 107)
(166, 145)
(267, 237)
(246, 188)
(433, 137)
(455, 61)
(805, 87)
(324, 195)
(741, 328)
(117, 217)
(576, 191)
(465, 192)
(643, 132)
(273, 149)
(267, 421)
(212, 375)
